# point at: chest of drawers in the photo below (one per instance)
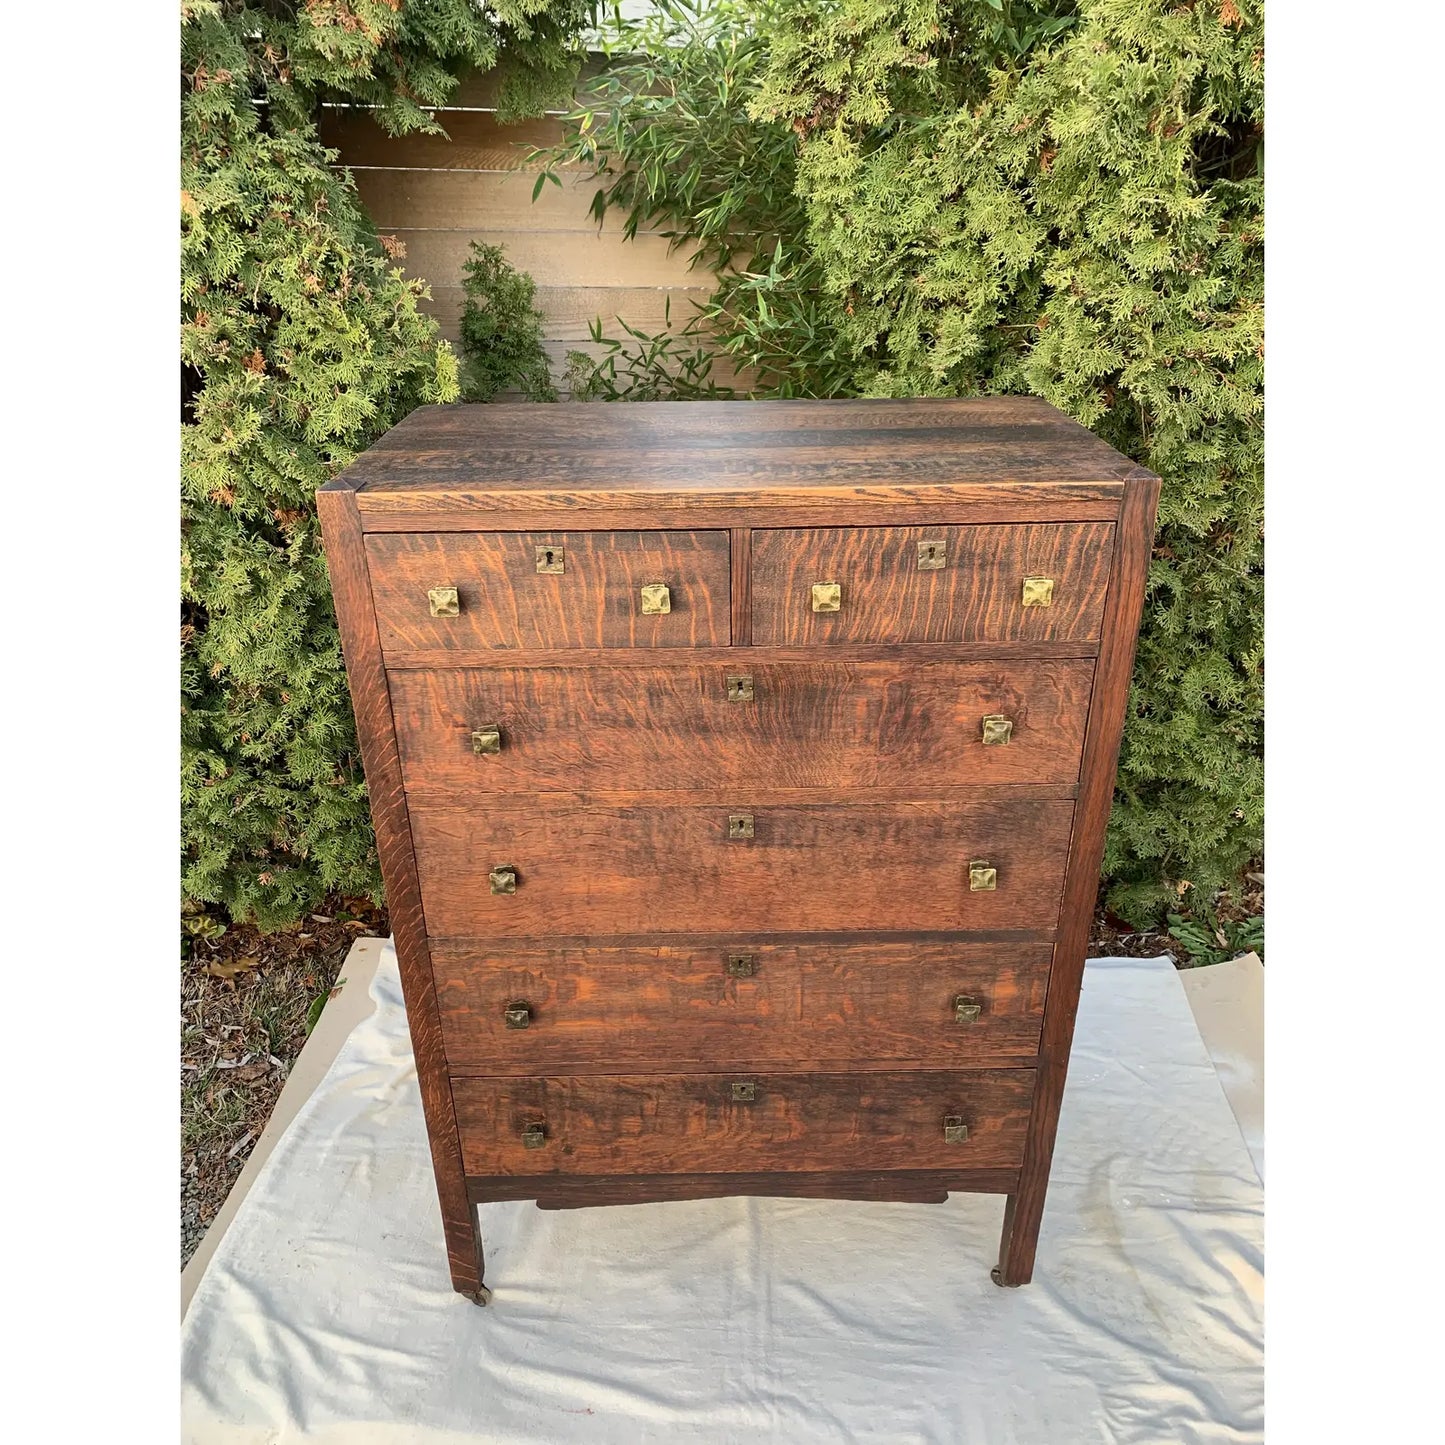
(740, 774)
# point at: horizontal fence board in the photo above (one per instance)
(483, 200)
(553, 258)
(476, 143)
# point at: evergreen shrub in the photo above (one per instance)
(301, 342)
(974, 196)
(501, 330)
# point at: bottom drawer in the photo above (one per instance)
(722, 1123)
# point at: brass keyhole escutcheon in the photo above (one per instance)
(503, 878)
(487, 739)
(827, 596)
(740, 825)
(740, 687)
(745, 1093)
(534, 1136)
(966, 1010)
(955, 1131)
(932, 556)
(443, 601)
(1038, 592)
(982, 876)
(517, 1015)
(551, 559)
(997, 730)
(742, 965)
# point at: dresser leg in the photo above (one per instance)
(1022, 1216)
(476, 1291)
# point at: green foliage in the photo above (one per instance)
(969, 196)
(668, 366)
(501, 330)
(300, 343)
(1213, 940)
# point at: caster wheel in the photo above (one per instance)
(483, 1296)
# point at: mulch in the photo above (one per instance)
(248, 1002)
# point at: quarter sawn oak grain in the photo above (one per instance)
(743, 953)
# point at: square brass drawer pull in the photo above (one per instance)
(534, 1136)
(443, 601)
(955, 1131)
(1038, 592)
(487, 739)
(827, 596)
(997, 730)
(982, 876)
(503, 879)
(966, 1010)
(517, 1015)
(656, 599)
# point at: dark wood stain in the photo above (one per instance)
(694, 1123)
(872, 1005)
(977, 596)
(856, 775)
(672, 869)
(813, 725)
(596, 601)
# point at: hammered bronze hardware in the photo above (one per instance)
(827, 596)
(932, 556)
(517, 1015)
(955, 1131)
(740, 825)
(1038, 592)
(745, 1093)
(742, 965)
(503, 879)
(551, 559)
(965, 1009)
(656, 599)
(982, 876)
(997, 730)
(487, 739)
(443, 601)
(740, 687)
(534, 1136)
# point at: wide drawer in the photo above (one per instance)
(1010, 582)
(755, 867)
(549, 589)
(537, 1009)
(689, 726)
(722, 1123)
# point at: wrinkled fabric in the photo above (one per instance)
(327, 1314)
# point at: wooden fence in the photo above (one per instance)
(438, 194)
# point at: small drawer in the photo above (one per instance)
(1012, 582)
(536, 1010)
(679, 726)
(481, 591)
(723, 1123)
(531, 868)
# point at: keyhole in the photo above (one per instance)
(549, 559)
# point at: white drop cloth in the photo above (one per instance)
(326, 1314)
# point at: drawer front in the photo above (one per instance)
(550, 589)
(589, 870)
(931, 584)
(789, 725)
(539, 1009)
(707, 1124)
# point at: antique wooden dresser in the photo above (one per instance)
(740, 774)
